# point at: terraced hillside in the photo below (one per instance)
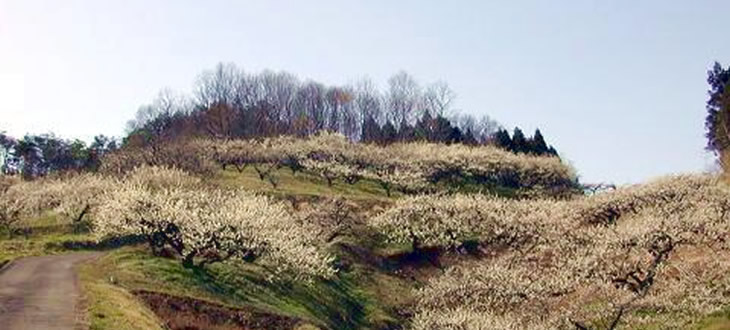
(262, 242)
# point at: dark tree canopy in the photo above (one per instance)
(537, 144)
(717, 122)
(45, 153)
(519, 143)
(502, 139)
(389, 133)
(371, 131)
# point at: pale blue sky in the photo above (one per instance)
(617, 86)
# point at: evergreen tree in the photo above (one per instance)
(502, 139)
(537, 144)
(422, 131)
(442, 130)
(455, 136)
(519, 142)
(717, 120)
(406, 132)
(469, 138)
(388, 133)
(371, 131)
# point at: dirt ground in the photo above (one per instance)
(189, 314)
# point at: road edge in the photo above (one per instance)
(5, 265)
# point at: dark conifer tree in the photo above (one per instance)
(519, 142)
(388, 133)
(537, 144)
(371, 131)
(469, 138)
(717, 120)
(442, 130)
(406, 132)
(455, 136)
(422, 130)
(502, 139)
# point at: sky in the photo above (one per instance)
(618, 87)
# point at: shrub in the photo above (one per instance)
(449, 221)
(330, 218)
(185, 156)
(211, 225)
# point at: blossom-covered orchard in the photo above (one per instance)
(657, 257)
(408, 167)
(173, 210)
(647, 255)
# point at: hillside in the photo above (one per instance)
(325, 233)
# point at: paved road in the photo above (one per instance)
(40, 293)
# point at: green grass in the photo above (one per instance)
(353, 300)
(303, 184)
(112, 307)
(360, 297)
(357, 298)
(308, 184)
(44, 235)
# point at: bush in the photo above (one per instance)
(205, 225)
(184, 156)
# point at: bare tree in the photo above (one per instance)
(158, 118)
(246, 91)
(465, 122)
(227, 102)
(403, 99)
(219, 120)
(279, 92)
(218, 86)
(311, 104)
(350, 119)
(485, 127)
(438, 99)
(338, 101)
(368, 101)
(171, 102)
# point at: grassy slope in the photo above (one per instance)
(303, 185)
(44, 235)
(110, 306)
(361, 297)
(385, 288)
(346, 302)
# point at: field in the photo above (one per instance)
(230, 249)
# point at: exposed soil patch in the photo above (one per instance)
(182, 313)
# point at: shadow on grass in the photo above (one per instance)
(93, 245)
(334, 304)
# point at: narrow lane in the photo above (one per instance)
(41, 293)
